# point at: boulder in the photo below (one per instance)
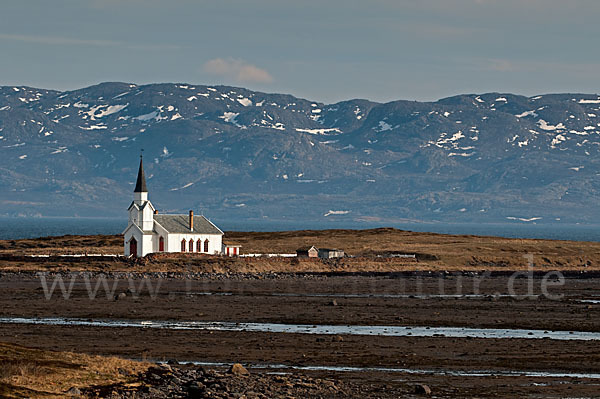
(422, 389)
(238, 369)
(74, 391)
(196, 390)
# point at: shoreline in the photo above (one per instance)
(519, 230)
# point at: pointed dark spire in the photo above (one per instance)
(140, 184)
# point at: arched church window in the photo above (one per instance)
(206, 245)
(161, 244)
(199, 245)
(191, 245)
(183, 245)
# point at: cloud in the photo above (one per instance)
(501, 65)
(238, 70)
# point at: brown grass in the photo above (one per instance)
(10, 368)
(434, 252)
(27, 372)
(67, 244)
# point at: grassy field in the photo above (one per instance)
(434, 252)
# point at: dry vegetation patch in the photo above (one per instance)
(433, 252)
(33, 373)
(67, 244)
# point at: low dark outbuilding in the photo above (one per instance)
(327, 253)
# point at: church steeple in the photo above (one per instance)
(140, 185)
(141, 211)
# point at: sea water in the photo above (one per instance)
(15, 228)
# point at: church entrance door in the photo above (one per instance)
(133, 247)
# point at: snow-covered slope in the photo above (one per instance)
(237, 153)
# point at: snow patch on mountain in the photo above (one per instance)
(149, 116)
(182, 187)
(557, 140)
(59, 150)
(460, 154)
(101, 111)
(383, 126)
(230, 117)
(320, 131)
(546, 126)
(245, 102)
(526, 114)
(331, 212)
(94, 127)
(533, 219)
(584, 101)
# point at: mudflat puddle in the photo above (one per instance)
(339, 295)
(447, 372)
(389, 331)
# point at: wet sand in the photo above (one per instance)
(452, 367)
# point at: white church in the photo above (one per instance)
(149, 232)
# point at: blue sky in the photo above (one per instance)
(324, 50)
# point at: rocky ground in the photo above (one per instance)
(237, 382)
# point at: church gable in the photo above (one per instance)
(133, 226)
(133, 205)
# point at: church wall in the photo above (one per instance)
(134, 215)
(147, 247)
(214, 242)
(147, 218)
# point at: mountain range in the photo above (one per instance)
(234, 154)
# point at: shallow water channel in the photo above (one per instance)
(448, 372)
(389, 331)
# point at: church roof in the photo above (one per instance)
(179, 224)
(140, 184)
(141, 207)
